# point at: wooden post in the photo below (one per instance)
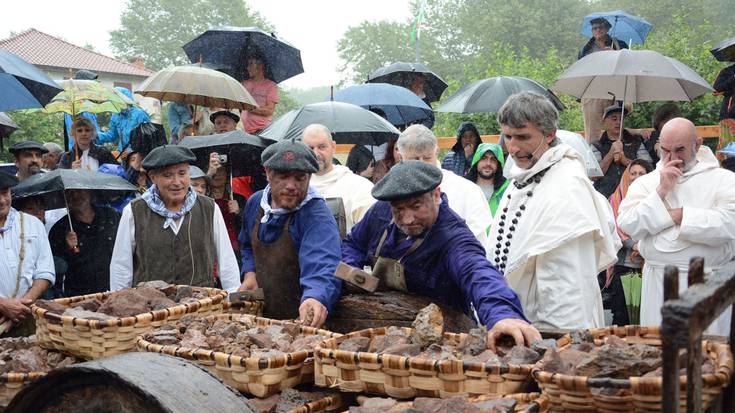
(696, 271)
(671, 283)
(695, 275)
(670, 352)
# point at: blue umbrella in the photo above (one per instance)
(626, 27)
(229, 48)
(23, 86)
(400, 105)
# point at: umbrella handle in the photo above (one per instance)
(75, 250)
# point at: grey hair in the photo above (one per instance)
(53, 147)
(416, 138)
(318, 127)
(529, 107)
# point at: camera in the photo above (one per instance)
(222, 159)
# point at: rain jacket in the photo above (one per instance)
(123, 123)
(455, 160)
(615, 44)
(500, 182)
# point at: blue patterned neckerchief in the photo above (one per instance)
(268, 210)
(153, 199)
(8, 221)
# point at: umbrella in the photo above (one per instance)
(724, 51)
(229, 47)
(402, 74)
(626, 27)
(195, 85)
(23, 85)
(348, 123)
(7, 127)
(488, 95)
(632, 291)
(401, 106)
(243, 151)
(87, 96)
(636, 75)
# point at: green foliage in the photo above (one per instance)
(310, 95)
(34, 125)
(285, 103)
(157, 29)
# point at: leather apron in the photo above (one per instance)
(391, 270)
(278, 273)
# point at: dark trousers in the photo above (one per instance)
(613, 297)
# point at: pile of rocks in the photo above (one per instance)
(23, 355)
(430, 405)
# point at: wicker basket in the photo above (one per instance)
(245, 307)
(408, 377)
(324, 405)
(93, 339)
(527, 402)
(637, 394)
(261, 377)
(12, 383)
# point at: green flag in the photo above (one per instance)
(418, 21)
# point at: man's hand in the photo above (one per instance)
(213, 164)
(522, 332)
(670, 175)
(617, 146)
(71, 240)
(676, 215)
(76, 164)
(233, 207)
(16, 309)
(250, 282)
(312, 313)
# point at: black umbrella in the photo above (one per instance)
(403, 73)
(23, 85)
(488, 95)
(7, 127)
(51, 186)
(724, 51)
(229, 48)
(347, 122)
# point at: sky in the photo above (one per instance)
(313, 26)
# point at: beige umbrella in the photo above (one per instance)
(196, 85)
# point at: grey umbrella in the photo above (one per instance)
(488, 95)
(634, 75)
(403, 73)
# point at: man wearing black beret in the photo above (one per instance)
(416, 243)
(289, 239)
(28, 156)
(171, 233)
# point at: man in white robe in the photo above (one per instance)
(552, 233)
(465, 198)
(683, 209)
(337, 181)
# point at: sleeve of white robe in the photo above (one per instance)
(229, 274)
(643, 213)
(121, 264)
(712, 226)
(567, 281)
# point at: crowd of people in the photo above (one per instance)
(514, 233)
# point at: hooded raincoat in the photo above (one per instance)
(500, 182)
(121, 124)
(455, 160)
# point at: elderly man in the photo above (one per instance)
(52, 157)
(487, 172)
(615, 154)
(417, 244)
(171, 233)
(26, 264)
(553, 233)
(683, 209)
(337, 181)
(289, 240)
(28, 156)
(224, 121)
(418, 143)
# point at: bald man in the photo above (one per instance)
(337, 181)
(683, 209)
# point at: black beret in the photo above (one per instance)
(27, 146)
(290, 155)
(408, 179)
(7, 180)
(167, 155)
(613, 109)
(214, 115)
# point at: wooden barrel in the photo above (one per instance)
(356, 312)
(133, 382)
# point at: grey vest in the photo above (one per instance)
(184, 258)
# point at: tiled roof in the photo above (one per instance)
(42, 49)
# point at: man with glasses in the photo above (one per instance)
(593, 108)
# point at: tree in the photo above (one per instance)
(157, 29)
(34, 125)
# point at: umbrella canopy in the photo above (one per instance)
(243, 150)
(51, 186)
(488, 95)
(401, 106)
(403, 73)
(230, 47)
(626, 27)
(348, 123)
(7, 127)
(23, 85)
(195, 85)
(631, 75)
(724, 51)
(87, 96)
